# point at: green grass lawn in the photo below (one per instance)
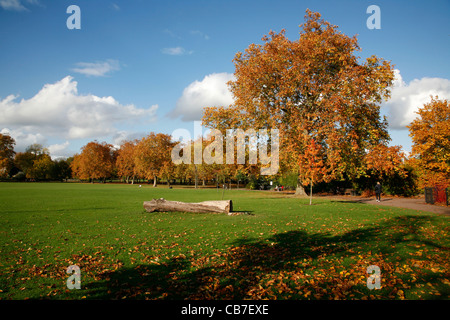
(283, 249)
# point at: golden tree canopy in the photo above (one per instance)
(311, 88)
(430, 133)
(96, 161)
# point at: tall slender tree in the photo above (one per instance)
(6, 154)
(125, 160)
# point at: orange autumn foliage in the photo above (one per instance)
(125, 159)
(6, 154)
(96, 161)
(152, 156)
(430, 133)
(384, 160)
(313, 88)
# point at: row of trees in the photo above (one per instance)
(325, 103)
(151, 159)
(33, 164)
(148, 158)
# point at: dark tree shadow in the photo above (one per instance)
(241, 268)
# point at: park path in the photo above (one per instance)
(408, 203)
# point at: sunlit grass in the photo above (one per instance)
(284, 248)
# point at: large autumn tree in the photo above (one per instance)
(96, 161)
(125, 160)
(430, 133)
(152, 157)
(316, 89)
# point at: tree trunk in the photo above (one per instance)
(154, 181)
(223, 190)
(300, 190)
(310, 194)
(196, 176)
(162, 205)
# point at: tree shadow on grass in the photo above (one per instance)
(252, 268)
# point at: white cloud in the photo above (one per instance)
(171, 33)
(60, 150)
(97, 69)
(200, 34)
(24, 139)
(177, 51)
(16, 5)
(407, 98)
(212, 91)
(59, 111)
(13, 5)
(122, 136)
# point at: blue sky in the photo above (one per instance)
(140, 66)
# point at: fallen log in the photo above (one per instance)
(162, 205)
